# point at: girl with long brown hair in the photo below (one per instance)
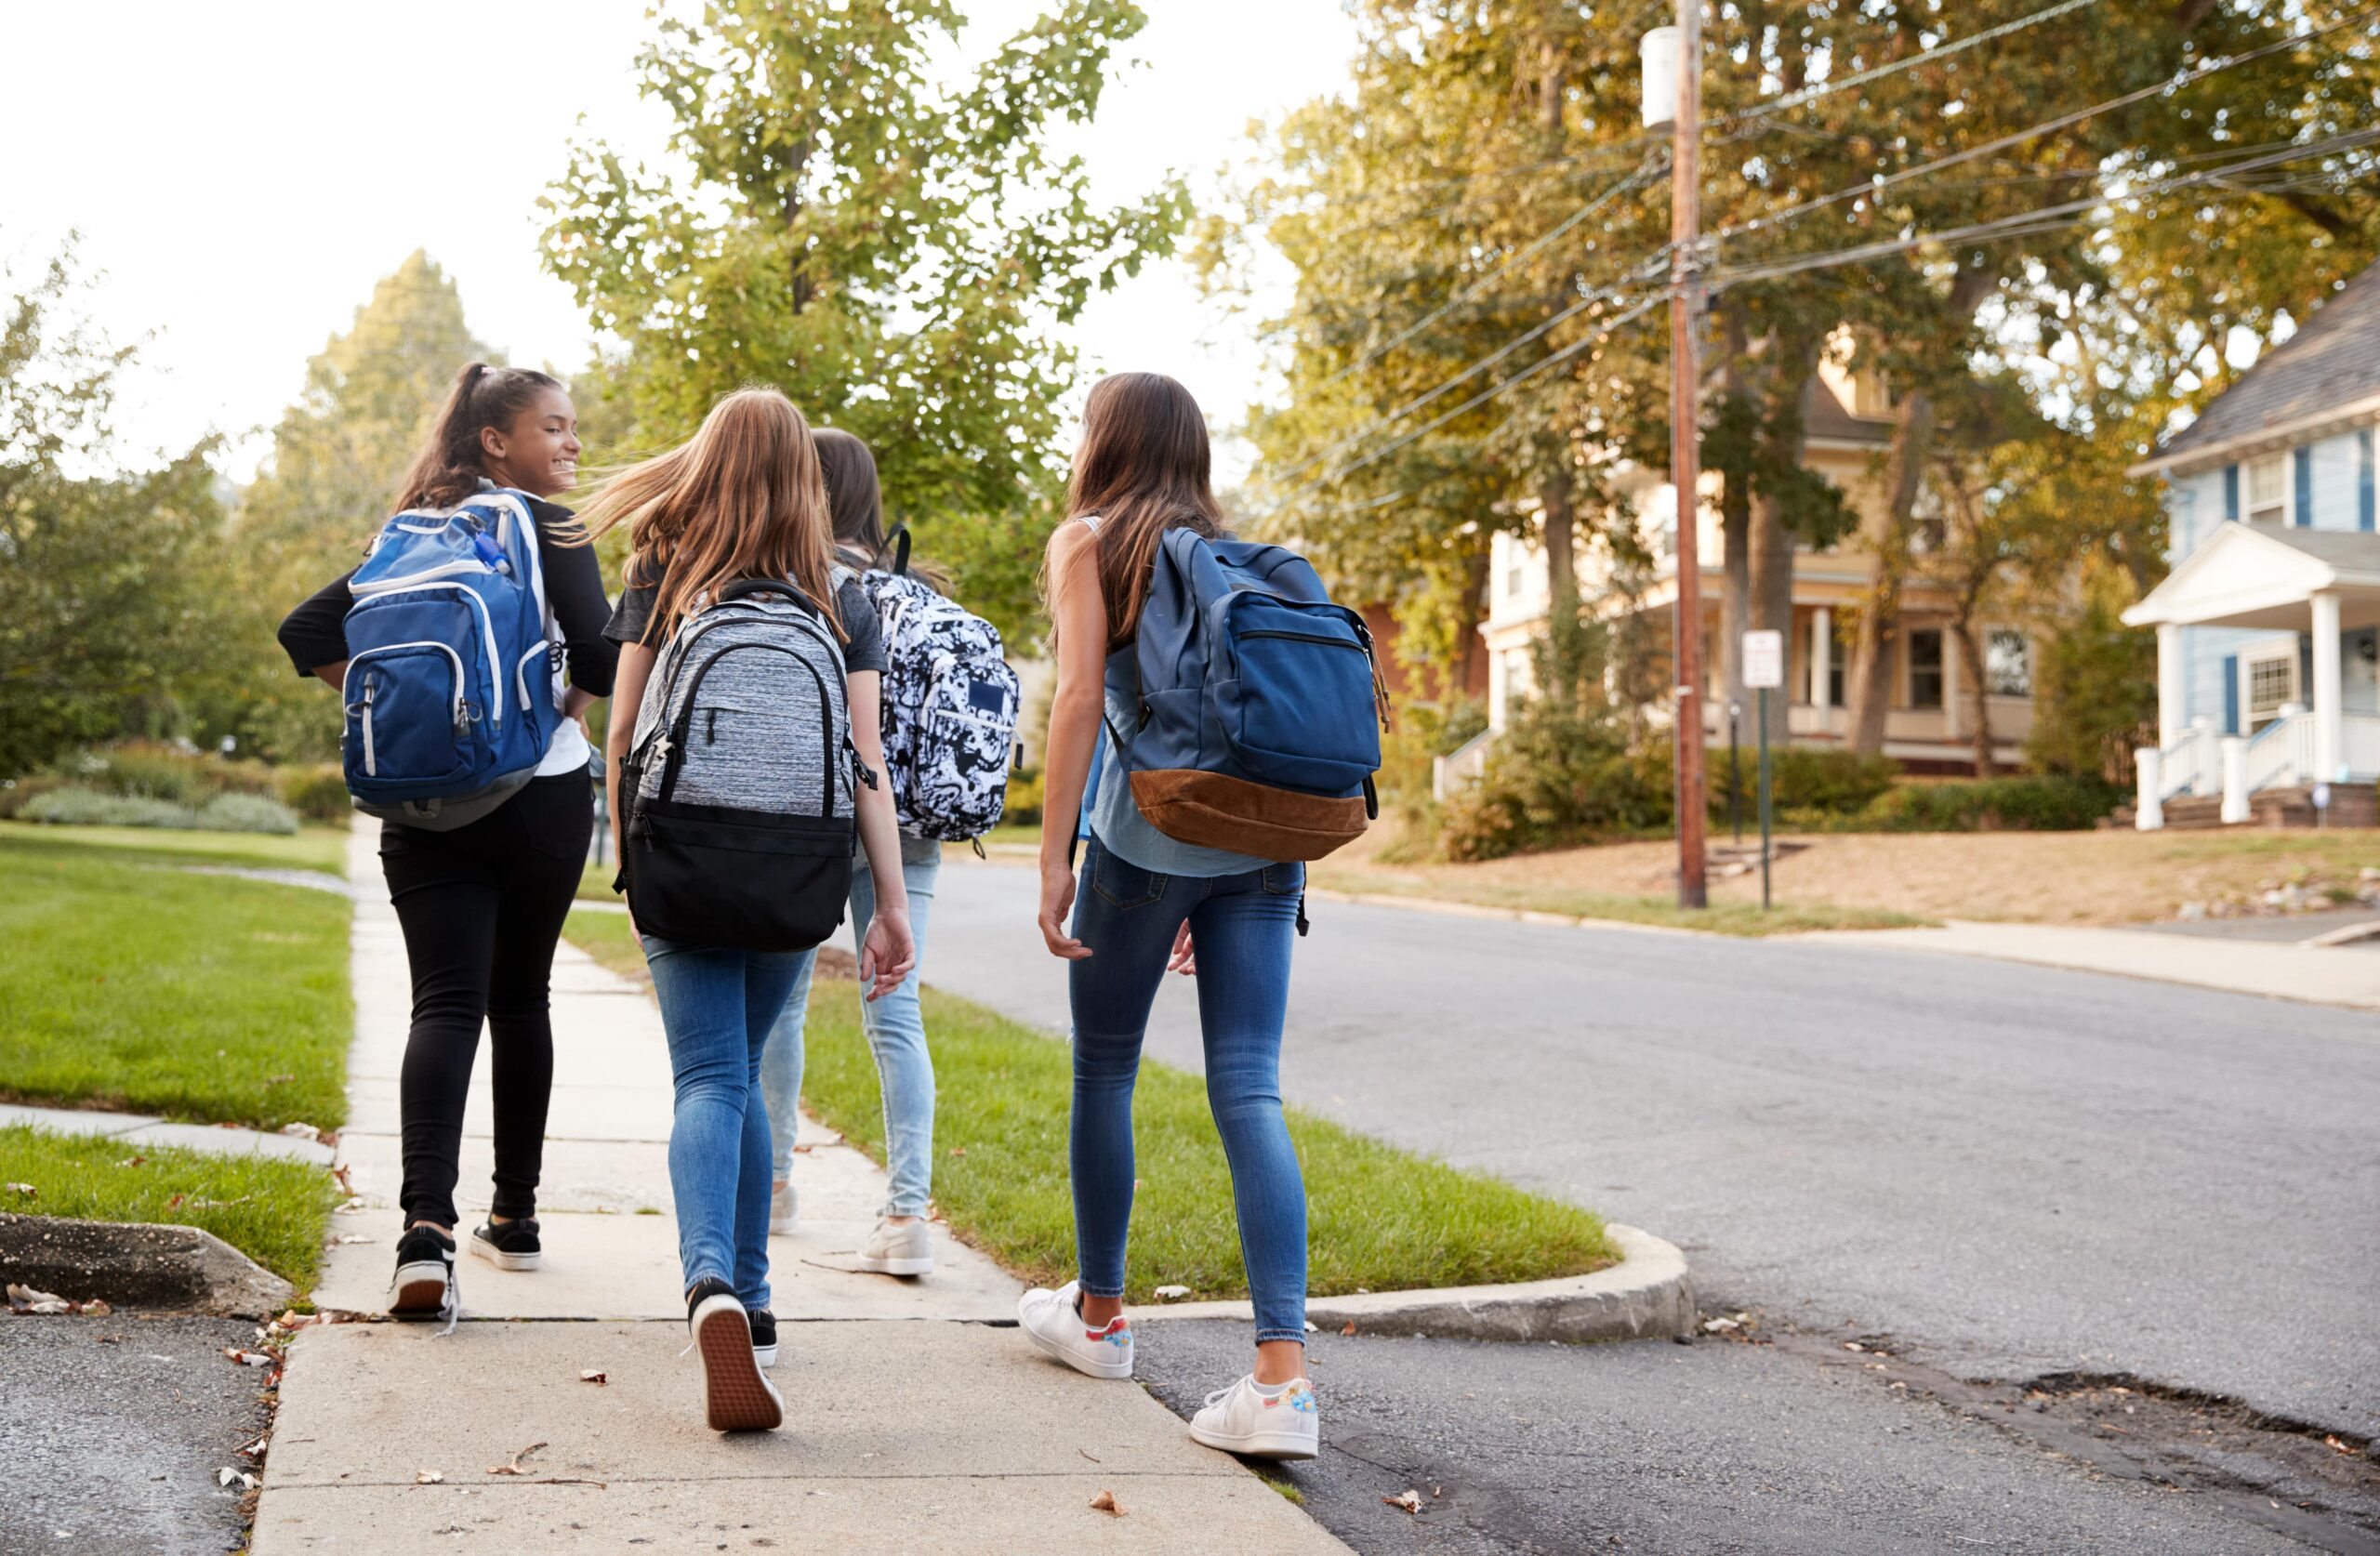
(1145, 899)
(742, 500)
(482, 904)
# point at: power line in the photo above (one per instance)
(1887, 180)
(1471, 289)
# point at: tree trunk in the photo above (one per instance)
(1885, 529)
(1561, 544)
(1971, 659)
(1468, 648)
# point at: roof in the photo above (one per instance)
(2349, 551)
(2330, 364)
(1825, 415)
(2265, 575)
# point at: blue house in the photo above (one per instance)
(2269, 625)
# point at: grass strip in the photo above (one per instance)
(313, 847)
(1378, 1218)
(1719, 918)
(273, 1210)
(131, 983)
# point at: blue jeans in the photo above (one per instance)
(1243, 927)
(716, 1006)
(896, 1036)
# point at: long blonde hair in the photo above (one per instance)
(742, 498)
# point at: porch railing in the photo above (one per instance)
(2188, 764)
(2360, 744)
(2282, 752)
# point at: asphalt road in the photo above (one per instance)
(114, 1430)
(2014, 1171)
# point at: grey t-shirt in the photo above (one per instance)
(863, 633)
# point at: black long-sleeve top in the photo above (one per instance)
(315, 633)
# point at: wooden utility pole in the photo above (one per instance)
(1686, 445)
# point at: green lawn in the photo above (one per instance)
(131, 983)
(595, 883)
(607, 937)
(1719, 918)
(1379, 1218)
(272, 1210)
(314, 848)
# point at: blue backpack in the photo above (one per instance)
(449, 686)
(1259, 704)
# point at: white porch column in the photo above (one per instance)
(2148, 803)
(1822, 665)
(2330, 725)
(2235, 778)
(2170, 687)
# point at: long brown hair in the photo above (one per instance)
(857, 499)
(1144, 469)
(447, 469)
(742, 498)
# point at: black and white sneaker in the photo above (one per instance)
(423, 1287)
(737, 1396)
(765, 1336)
(507, 1245)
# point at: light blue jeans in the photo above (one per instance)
(896, 1035)
(716, 1007)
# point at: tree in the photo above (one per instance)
(111, 589)
(894, 256)
(337, 454)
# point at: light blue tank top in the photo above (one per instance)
(1112, 815)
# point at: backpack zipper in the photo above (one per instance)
(487, 626)
(825, 711)
(371, 761)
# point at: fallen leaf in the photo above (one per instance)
(428, 1477)
(354, 1207)
(301, 1131)
(2341, 1447)
(1719, 1325)
(340, 1172)
(1348, 1328)
(132, 1161)
(226, 1475)
(514, 1466)
(26, 1189)
(1410, 1501)
(351, 1239)
(96, 1308)
(959, 1151)
(1105, 1502)
(1171, 1293)
(247, 1358)
(1853, 1345)
(595, 1377)
(27, 1294)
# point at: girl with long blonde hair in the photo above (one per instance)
(742, 500)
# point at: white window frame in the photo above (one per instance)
(2250, 662)
(2279, 508)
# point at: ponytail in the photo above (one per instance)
(447, 468)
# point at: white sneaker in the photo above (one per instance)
(1243, 1419)
(1050, 1321)
(907, 1249)
(781, 1209)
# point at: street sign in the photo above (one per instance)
(1763, 659)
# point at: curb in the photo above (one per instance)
(1449, 907)
(1649, 1294)
(134, 1264)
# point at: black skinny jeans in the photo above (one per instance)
(482, 907)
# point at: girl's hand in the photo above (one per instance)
(1184, 961)
(888, 953)
(1057, 899)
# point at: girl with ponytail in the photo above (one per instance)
(482, 905)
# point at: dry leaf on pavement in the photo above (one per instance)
(1171, 1293)
(428, 1477)
(1410, 1501)
(1105, 1502)
(247, 1358)
(594, 1376)
(1349, 1328)
(514, 1468)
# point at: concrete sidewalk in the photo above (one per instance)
(921, 1421)
(2324, 975)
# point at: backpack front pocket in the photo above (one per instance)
(1300, 711)
(408, 721)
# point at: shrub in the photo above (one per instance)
(21, 792)
(246, 812)
(2044, 803)
(79, 807)
(317, 792)
(1023, 807)
(152, 769)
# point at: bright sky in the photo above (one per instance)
(242, 171)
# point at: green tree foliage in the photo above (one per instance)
(111, 590)
(338, 455)
(893, 255)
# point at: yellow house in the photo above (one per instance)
(1930, 725)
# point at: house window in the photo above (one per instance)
(2008, 664)
(2272, 683)
(1835, 670)
(1926, 668)
(1516, 579)
(2268, 489)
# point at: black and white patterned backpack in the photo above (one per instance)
(950, 705)
(744, 817)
